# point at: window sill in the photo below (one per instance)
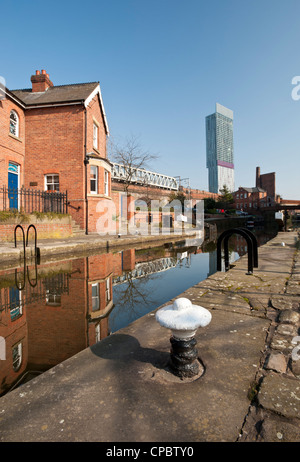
(99, 195)
(97, 151)
(15, 137)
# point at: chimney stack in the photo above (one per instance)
(40, 81)
(258, 185)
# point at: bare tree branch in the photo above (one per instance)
(132, 156)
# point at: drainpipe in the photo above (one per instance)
(86, 162)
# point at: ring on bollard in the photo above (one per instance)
(183, 319)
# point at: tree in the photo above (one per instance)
(226, 198)
(210, 204)
(132, 157)
(177, 196)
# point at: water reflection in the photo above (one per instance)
(50, 312)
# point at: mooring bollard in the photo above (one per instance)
(183, 318)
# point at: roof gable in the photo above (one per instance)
(251, 190)
(80, 93)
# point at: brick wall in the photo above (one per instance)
(12, 149)
(46, 229)
(55, 144)
(268, 183)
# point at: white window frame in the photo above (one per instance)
(14, 124)
(96, 297)
(17, 360)
(95, 169)
(95, 135)
(98, 332)
(52, 182)
(107, 290)
(106, 178)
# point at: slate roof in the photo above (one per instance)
(252, 190)
(56, 94)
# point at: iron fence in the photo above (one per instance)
(32, 200)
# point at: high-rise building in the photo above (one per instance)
(219, 149)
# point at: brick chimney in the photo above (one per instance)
(40, 81)
(258, 181)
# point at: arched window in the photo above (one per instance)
(14, 123)
(17, 356)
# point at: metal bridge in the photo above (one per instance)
(143, 177)
(144, 269)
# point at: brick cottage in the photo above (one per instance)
(53, 138)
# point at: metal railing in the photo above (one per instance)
(251, 243)
(32, 200)
(144, 177)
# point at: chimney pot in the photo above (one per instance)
(40, 81)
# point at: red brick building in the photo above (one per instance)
(53, 138)
(259, 197)
(12, 139)
(249, 199)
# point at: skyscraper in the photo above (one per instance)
(219, 149)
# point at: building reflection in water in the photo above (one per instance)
(49, 321)
(51, 312)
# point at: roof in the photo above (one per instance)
(56, 94)
(61, 94)
(252, 190)
(4, 92)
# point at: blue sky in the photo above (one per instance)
(162, 66)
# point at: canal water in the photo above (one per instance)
(51, 311)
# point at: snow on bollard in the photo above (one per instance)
(183, 318)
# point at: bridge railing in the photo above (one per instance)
(144, 177)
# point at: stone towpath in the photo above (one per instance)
(121, 390)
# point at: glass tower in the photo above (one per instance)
(219, 149)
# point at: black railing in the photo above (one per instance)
(252, 248)
(32, 200)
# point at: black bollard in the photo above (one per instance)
(183, 357)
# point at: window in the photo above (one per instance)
(17, 356)
(94, 179)
(95, 136)
(107, 290)
(53, 299)
(106, 182)
(14, 123)
(15, 303)
(95, 297)
(51, 182)
(98, 332)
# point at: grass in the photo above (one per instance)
(6, 215)
(22, 217)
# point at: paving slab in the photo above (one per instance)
(121, 389)
(285, 400)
